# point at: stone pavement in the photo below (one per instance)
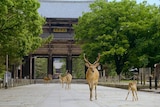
(53, 95)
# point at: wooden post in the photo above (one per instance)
(156, 83)
(6, 79)
(50, 65)
(30, 59)
(150, 82)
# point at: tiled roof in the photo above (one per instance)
(64, 8)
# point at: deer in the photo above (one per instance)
(92, 75)
(48, 78)
(62, 80)
(69, 79)
(132, 86)
(66, 79)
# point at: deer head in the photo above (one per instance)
(94, 65)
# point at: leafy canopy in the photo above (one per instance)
(20, 28)
(125, 33)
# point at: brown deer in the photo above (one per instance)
(62, 80)
(46, 79)
(92, 75)
(132, 86)
(69, 79)
(66, 79)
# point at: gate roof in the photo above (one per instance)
(64, 8)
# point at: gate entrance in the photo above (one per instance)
(61, 26)
(62, 46)
(40, 67)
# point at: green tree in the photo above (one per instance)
(20, 28)
(120, 31)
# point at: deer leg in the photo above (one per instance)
(90, 94)
(127, 94)
(66, 85)
(136, 95)
(90, 88)
(133, 97)
(96, 92)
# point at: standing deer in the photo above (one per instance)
(66, 79)
(92, 75)
(69, 79)
(132, 86)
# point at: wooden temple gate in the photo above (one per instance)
(62, 45)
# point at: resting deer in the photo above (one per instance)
(92, 75)
(46, 79)
(66, 79)
(132, 86)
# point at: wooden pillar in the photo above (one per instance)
(26, 67)
(20, 72)
(33, 67)
(69, 57)
(30, 68)
(69, 63)
(157, 71)
(85, 70)
(50, 65)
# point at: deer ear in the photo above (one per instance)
(87, 64)
(97, 64)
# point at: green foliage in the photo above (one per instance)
(111, 71)
(41, 67)
(78, 68)
(125, 33)
(20, 28)
(2, 70)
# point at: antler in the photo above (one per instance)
(98, 58)
(86, 59)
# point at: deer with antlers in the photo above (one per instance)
(132, 86)
(92, 75)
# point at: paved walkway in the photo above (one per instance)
(53, 95)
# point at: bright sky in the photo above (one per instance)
(157, 2)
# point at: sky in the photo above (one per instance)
(157, 2)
